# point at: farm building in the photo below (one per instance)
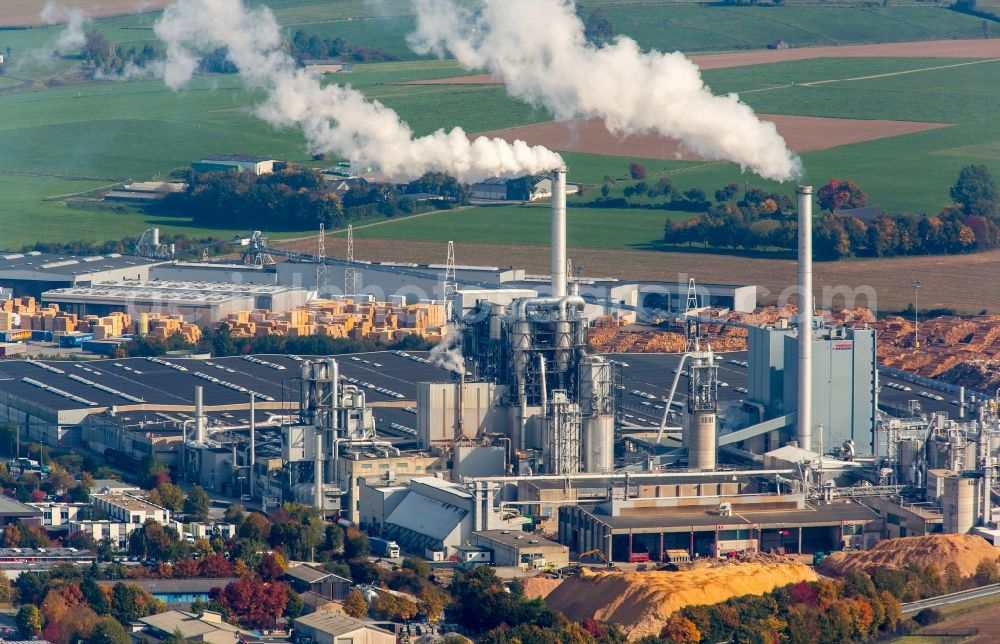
(242, 163)
(327, 66)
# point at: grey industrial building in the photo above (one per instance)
(33, 272)
(844, 375)
(203, 303)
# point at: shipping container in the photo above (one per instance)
(74, 339)
(102, 347)
(16, 335)
(41, 336)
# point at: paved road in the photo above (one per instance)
(952, 598)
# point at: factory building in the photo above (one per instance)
(518, 549)
(631, 530)
(176, 271)
(201, 303)
(843, 382)
(32, 273)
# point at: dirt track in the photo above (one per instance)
(921, 49)
(802, 133)
(961, 282)
(27, 13)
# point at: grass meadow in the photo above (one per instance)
(59, 135)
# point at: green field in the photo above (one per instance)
(510, 224)
(72, 137)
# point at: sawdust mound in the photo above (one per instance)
(539, 586)
(641, 602)
(937, 550)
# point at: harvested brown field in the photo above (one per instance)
(641, 602)
(540, 586)
(802, 133)
(980, 626)
(955, 281)
(27, 13)
(921, 49)
(937, 550)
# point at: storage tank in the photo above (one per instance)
(599, 444)
(701, 440)
(143, 324)
(960, 504)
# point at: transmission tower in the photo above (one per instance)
(321, 281)
(450, 283)
(350, 273)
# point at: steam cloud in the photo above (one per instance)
(334, 119)
(72, 38)
(448, 354)
(539, 48)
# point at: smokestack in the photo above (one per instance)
(559, 232)
(318, 471)
(253, 442)
(804, 428)
(199, 415)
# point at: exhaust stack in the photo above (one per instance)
(559, 232)
(804, 426)
(199, 416)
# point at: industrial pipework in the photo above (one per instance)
(805, 320)
(559, 232)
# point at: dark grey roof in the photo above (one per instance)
(10, 506)
(311, 575)
(43, 553)
(71, 265)
(517, 538)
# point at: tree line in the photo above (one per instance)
(760, 220)
(306, 47)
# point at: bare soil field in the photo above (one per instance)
(27, 13)
(980, 626)
(962, 282)
(922, 49)
(802, 133)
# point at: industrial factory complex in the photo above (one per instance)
(512, 424)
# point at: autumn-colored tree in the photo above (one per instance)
(433, 602)
(355, 604)
(29, 621)
(680, 630)
(256, 527)
(185, 569)
(637, 171)
(270, 568)
(130, 602)
(393, 607)
(215, 565)
(196, 504)
(169, 496)
(12, 536)
(34, 537)
(108, 631)
(841, 195)
(253, 603)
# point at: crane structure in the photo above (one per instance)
(322, 285)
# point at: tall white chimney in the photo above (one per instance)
(805, 303)
(199, 416)
(559, 232)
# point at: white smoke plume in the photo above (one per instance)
(448, 354)
(71, 38)
(539, 48)
(334, 119)
(132, 72)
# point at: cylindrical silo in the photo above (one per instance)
(599, 444)
(701, 440)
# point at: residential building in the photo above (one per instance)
(117, 532)
(325, 627)
(57, 516)
(306, 578)
(207, 627)
(13, 511)
(177, 591)
(128, 508)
